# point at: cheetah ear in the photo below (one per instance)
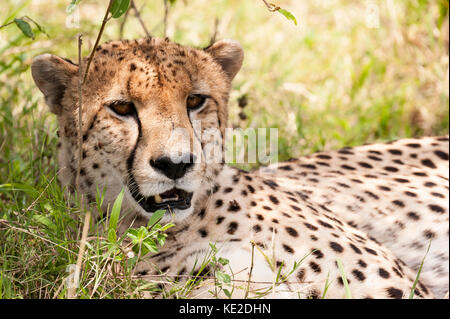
(52, 76)
(229, 54)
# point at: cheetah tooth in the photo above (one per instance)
(158, 199)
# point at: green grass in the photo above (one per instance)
(329, 82)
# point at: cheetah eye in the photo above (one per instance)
(195, 101)
(122, 108)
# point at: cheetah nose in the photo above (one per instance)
(171, 169)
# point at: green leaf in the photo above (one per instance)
(45, 221)
(24, 27)
(222, 277)
(288, 15)
(114, 217)
(227, 293)
(156, 217)
(119, 7)
(413, 288)
(223, 261)
(348, 294)
(73, 4)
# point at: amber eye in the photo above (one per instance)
(122, 108)
(195, 101)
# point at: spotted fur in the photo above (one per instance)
(373, 207)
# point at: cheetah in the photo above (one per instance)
(372, 209)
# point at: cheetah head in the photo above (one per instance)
(150, 110)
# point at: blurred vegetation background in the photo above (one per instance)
(351, 72)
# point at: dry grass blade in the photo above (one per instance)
(71, 291)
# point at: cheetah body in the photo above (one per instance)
(373, 208)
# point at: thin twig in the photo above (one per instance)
(214, 35)
(72, 290)
(122, 24)
(272, 7)
(80, 107)
(251, 270)
(91, 56)
(137, 14)
(166, 14)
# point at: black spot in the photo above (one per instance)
(232, 228)
(371, 251)
(267, 207)
(234, 206)
(286, 168)
(395, 152)
(132, 67)
(355, 249)
(394, 292)
(391, 169)
(324, 224)
(383, 273)
(398, 203)
(428, 163)
(203, 233)
(323, 156)
(315, 267)
(410, 194)
(436, 208)
(384, 188)
(441, 155)
(358, 275)
(270, 183)
(219, 203)
(362, 263)
(227, 190)
(401, 180)
(413, 145)
(437, 195)
(95, 166)
(374, 196)
(421, 174)
(365, 165)
(251, 189)
(429, 234)
(429, 184)
(309, 166)
(219, 220)
(273, 199)
(301, 275)
(291, 231)
(317, 253)
(202, 213)
(288, 249)
(256, 228)
(260, 217)
(312, 227)
(374, 158)
(336, 247)
(347, 167)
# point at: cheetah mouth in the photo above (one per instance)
(174, 198)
